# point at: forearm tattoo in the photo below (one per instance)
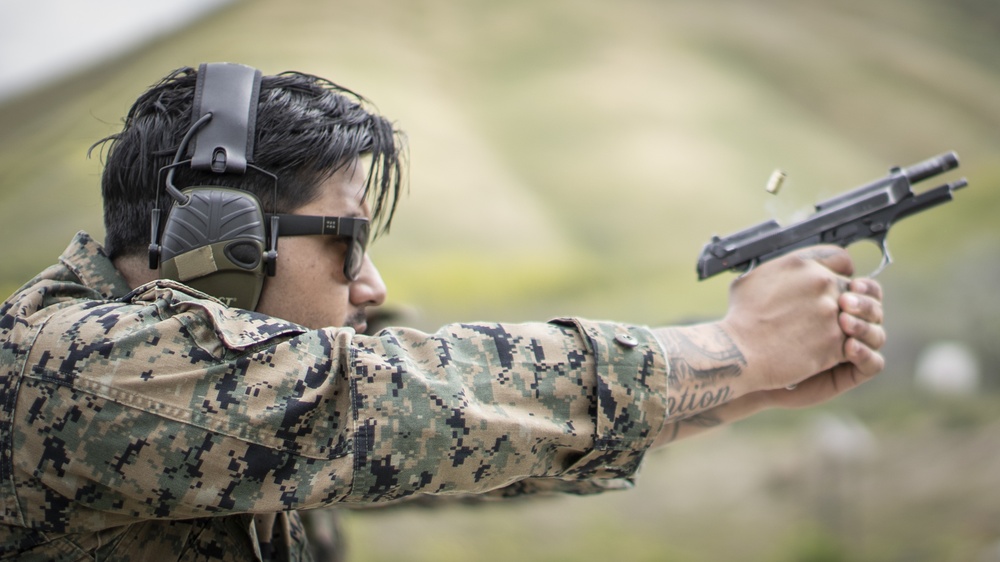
(703, 362)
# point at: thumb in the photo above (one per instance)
(834, 258)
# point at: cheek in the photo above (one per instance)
(306, 289)
(301, 261)
(281, 292)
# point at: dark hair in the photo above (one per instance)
(307, 129)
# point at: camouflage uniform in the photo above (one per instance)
(158, 424)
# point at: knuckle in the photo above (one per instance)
(855, 326)
(796, 261)
(868, 287)
(829, 308)
(822, 283)
(873, 289)
(867, 361)
(871, 335)
(871, 310)
(865, 307)
(857, 353)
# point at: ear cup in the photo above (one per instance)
(243, 254)
(215, 243)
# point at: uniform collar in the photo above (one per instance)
(85, 257)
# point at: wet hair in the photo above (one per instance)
(307, 129)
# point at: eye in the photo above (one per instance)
(338, 248)
(338, 244)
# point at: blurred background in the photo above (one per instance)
(572, 157)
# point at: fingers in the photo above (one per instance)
(858, 310)
(830, 383)
(867, 333)
(861, 319)
(862, 313)
(868, 287)
(866, 360)
(834, 258)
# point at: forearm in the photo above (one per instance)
(702, 422)
(707, 369)
(709, 384)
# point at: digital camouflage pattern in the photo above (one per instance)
(154, 424)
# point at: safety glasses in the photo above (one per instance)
(354, 229)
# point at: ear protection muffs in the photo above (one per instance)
(214, 237)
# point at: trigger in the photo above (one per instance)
(886, 258)
(753, 264)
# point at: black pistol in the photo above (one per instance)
(866, 212)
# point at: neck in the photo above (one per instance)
(135, 270)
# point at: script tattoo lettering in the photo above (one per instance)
(698, 400)
(702, 360)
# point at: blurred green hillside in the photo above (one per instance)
(572, 157)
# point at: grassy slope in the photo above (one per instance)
(572, 157)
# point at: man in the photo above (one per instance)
(143, 419)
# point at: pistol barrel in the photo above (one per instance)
(932, 167)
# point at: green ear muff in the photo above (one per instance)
(215, 243)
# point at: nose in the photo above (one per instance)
(368, 289)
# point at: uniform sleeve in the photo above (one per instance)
(478, 407)
(171, 406)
